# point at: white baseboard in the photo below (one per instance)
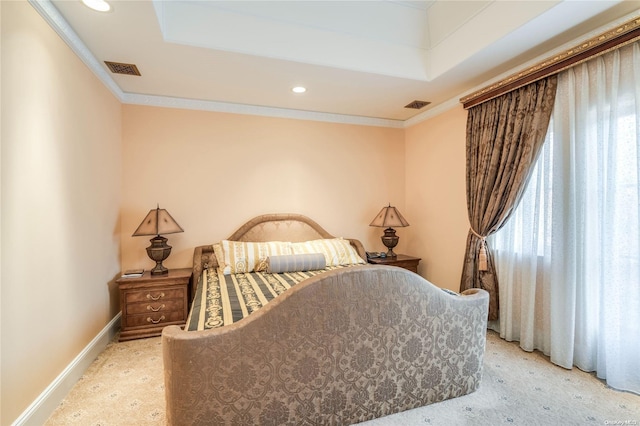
(45, 404)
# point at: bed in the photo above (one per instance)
(340, 347)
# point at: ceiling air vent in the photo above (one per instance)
(417, 104)
(119, 68)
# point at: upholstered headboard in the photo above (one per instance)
(268, 227)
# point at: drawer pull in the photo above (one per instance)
(160, 296)
(152, 309)
(155, 321)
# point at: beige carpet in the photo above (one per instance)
(124, 386)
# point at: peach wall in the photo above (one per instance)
(436, 195)
(214, 171)
(61, 171)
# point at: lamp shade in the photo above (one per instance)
(158, 221)
(389, 217)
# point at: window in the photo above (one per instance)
(568, 260)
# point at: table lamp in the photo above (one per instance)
(389, 217)
(158, 221)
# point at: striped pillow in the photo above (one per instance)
(336, 251)
(240, 257)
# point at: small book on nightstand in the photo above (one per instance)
(133, 273)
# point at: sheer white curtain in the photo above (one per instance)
(569, 259)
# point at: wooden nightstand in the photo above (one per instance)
(151, 302)
(401, 260)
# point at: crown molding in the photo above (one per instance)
(48, 11)
(232, 108)
(433, 112)
(56, 21)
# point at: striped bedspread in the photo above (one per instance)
(224, 299)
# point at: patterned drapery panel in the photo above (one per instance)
(504, 137)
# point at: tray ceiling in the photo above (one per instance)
(361, 61)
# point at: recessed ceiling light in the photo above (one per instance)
(99, 5)
(299, 89)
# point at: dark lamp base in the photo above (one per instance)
(158, 251)
(159, 269)
(390, 240)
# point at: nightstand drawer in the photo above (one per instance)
(155, 318)
(154, 295)
(151, 302)
(159, 306)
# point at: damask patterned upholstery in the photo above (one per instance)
(340, 348)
